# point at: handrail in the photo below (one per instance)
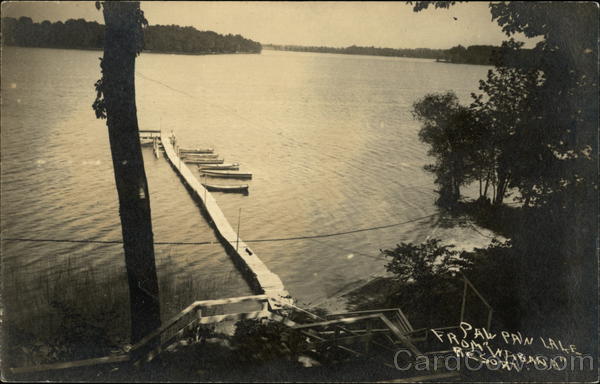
(379, 316)
(476, 291)
(480, 296)
(190, 308)
(71, 364)
(402, 317)
(127, 355)
(365, 311)
(207, 320)
(337, 321)
(265, 311)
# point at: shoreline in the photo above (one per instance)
(435, 60)
(243, 53)
(143, 51)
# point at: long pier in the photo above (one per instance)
(261, 278)
(276, 303)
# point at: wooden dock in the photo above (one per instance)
(357, 334)
(149, 134)
(260, 277)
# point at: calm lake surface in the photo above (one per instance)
(329, 139)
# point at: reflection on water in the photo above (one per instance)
(329, 139)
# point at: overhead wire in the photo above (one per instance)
(276, 239)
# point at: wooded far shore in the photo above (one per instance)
(82, 34)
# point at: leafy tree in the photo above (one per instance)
(503, 110)
(428, 287)
(447, 127)
(158, 38)
(553, 141)
(479, 54)
(421, 263)
(562, 114)
(456, 54)
(265, 340)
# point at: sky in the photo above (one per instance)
(334, 24)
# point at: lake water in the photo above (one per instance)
(329, 139)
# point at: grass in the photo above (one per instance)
(77, 310)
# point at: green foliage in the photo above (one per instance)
(422, 5)
(424, 53)
(429, 289)
(486, 142)
(496, 272)
(70, 34)
(420, 264)
(266, 340)
(475, 54)
(543, 105)
(541, 111)
(449, 130)
(173, 38)
(81, 34)
(79, 337)
(503, 111)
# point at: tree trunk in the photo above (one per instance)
(503, 180)
(487, 183)
(118, 85)
(456, 190)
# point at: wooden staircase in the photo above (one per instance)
(374, 335)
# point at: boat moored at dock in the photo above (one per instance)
(226, 188)
(195, 150)
(228, 167)
(227, 174)
(203, 161)
(198, 156)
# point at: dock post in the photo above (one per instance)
(155, 147)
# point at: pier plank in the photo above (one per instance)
(269, 283)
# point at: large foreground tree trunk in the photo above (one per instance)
(122, 40)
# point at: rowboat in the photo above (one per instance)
(196, 150)
(227, 188)
(203, 161)
(198, 156)
(230, 167)
(231, 175)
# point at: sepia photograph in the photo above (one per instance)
(316, 191)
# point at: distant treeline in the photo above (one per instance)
(81, 34)
(354, 50)
(475, 54)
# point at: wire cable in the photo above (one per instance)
(277, 239)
